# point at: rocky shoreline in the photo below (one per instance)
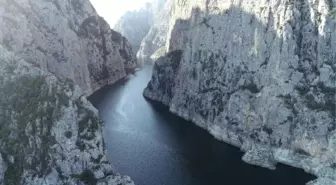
(255, 153)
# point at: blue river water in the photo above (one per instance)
(145, 141)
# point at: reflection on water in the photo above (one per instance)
(154, 147)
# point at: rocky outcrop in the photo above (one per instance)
(259, 75)
(49, 132)
(66, 38)
(153, 45)
(134, 25)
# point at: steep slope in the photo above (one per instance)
(259, 75)
(66, 38)
(134, 25)
(152, 46)
(49, 132)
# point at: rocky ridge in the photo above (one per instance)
(259, 75)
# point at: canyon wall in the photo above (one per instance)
(53, 53)
(259, 75)
(67, 38)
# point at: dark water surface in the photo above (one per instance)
(154, 147)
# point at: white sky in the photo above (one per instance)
(112, 10)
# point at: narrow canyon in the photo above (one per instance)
(177, 92)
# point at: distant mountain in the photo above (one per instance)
(134, 25)
(153, 45)
(146, 29)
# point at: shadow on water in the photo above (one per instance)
(153, 146)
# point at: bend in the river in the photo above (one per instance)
(153, 146)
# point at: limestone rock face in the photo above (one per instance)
(49, 132)
(66, 38)
(153, 45)
(134, 25)
(259, 75)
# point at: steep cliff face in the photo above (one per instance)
(152, 46)
(259, 75)
(66, 38)
(49, 132)
(134, 25)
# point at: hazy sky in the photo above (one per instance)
(112, 10)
